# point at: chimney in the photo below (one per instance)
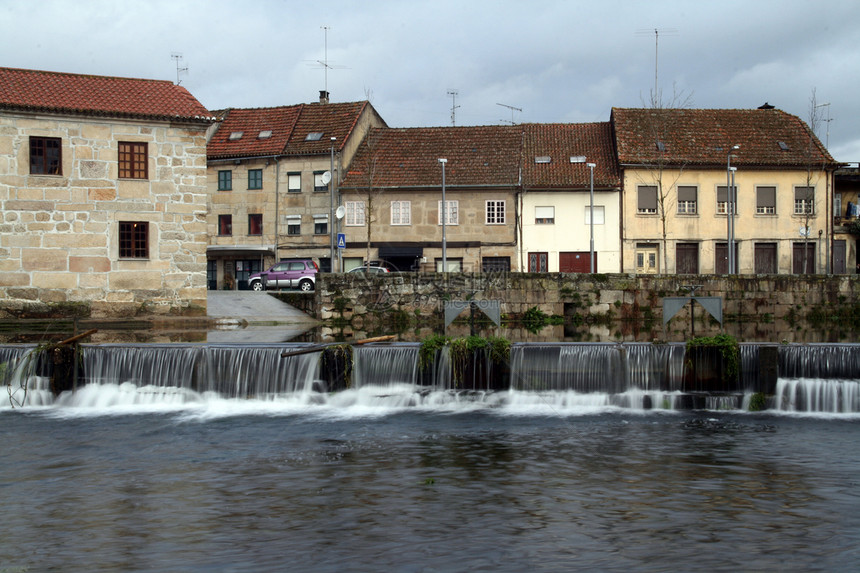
(323, 96)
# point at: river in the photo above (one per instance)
(352, 484)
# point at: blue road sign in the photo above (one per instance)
(341, 240)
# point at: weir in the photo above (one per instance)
(796, 378)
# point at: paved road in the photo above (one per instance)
(253, 306)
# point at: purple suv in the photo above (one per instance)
(292, 273)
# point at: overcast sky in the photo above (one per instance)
(557, 61)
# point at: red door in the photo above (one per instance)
(577, 262)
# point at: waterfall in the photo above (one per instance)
(819, 361)
(817, 395)
(598, 367)
(22, 377)
(385, 365)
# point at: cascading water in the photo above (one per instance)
(25, 386)
(821, 378)
(593, 375)
(815, 378)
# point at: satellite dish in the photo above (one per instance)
(804, 231)
(326, 177)
(340, 212)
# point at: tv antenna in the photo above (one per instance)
(454, 106)
(324, 63)
(513, 109)
(657, 32)
(177, 57)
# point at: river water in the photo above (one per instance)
(355, 485)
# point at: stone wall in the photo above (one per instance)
(599, 307)
(59, 233)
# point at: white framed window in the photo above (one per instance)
(687, 199)
(804, 200)
(452, 212)
(294, 183)
(646, 200)
(599, 215)
(294, 224)
(765, 200)
(544, 215)
(401, 212)
(722, 199)
(495, 212)
(319, 181)
(354, 213)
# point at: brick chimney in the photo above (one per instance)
(323, 96)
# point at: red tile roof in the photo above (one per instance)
(702, 137)
(409, 157)
(558, 142)
(39, 91)
(250, 123)
(290, 126)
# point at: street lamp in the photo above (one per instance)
(730, 257)
(591, 167)
(443, 161)
(733, 203)
(331, 205)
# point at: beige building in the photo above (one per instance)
(273, 180)
(392, 197)
(678, 166)
(103, 193)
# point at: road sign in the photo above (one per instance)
(341, 240)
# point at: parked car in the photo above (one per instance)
(369, 270)
(290, 273)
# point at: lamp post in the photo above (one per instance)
(443, 161)
(732, 196)
(730, 256)
(331, 205)
(591, 167)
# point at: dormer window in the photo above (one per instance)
(543, 159)
(266, 134)
(236, 135)
(314, 136)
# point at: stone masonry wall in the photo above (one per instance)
(623, 306)
(59, 233)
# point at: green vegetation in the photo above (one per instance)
(729, 349)
(534, 319)
(461, 351)
(758, 402)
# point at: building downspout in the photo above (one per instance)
(277, 214)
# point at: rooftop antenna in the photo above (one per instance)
(177, 57)
(454, 106)
(513, 109)
(657, 31)
(324, 63)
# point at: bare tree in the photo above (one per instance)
(659, 163)
(371, 161)
(813, 161)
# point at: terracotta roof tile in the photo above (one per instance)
(409, 157)
(547, 152)
(250, 123)
(703, 136)
(33, 90)
(290, 127)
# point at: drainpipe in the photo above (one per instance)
(277, 215)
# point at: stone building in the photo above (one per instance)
(103, 194)
(393, 199)
(272, 192)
